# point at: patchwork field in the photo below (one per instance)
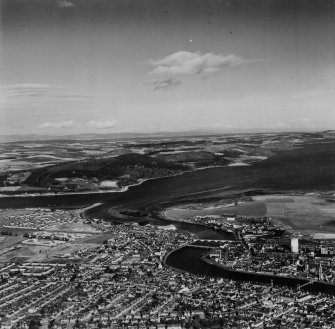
(305, 214)
(243, 209)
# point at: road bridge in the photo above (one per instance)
(209, 240)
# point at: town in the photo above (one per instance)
(116, 276)
(167, 164)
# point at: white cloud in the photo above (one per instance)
(65, 4)
(184, 62)
(102, 124)
(166, 83)
(58, 125)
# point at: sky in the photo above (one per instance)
(104, 66)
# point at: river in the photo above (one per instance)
(189, 259)
(308, 168)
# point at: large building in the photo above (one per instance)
(295, 245)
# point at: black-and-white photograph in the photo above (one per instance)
(167, 164)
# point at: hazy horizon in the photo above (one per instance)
(101, 66)
(154, 134)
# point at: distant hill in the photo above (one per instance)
(127, 167)
(139, 135)
(197, 157)
(107, 136)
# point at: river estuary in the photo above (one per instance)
(295, 170)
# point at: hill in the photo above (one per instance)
(126, 168)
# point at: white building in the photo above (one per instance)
(295, 245)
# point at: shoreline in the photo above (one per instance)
(140, 181)
(121, 190)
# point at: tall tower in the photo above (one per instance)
(307, 269)
(320, 272)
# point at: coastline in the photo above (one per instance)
(140, 181)
(121, 190)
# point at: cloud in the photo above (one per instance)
(184, 62)
(166, 83)
(42, 95)
(58, 125)
(65, 4)
(101, 124)
(28, 89)
(73, 97)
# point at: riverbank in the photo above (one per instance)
(190, 259)
(120, 190)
